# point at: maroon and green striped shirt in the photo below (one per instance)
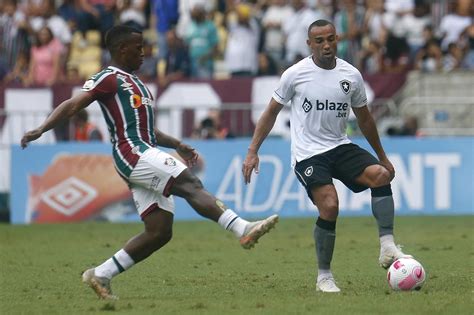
(126, 104)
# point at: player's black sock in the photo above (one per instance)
(383, 209)
(324, 238)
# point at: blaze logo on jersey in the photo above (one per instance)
(345, 86)
(307, 105)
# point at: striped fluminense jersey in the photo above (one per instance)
(127, 107)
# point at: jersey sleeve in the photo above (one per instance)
(101, 86)
(285, 90)
(359, 97)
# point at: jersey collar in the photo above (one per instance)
(120, 70)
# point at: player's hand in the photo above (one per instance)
(388, 165)
(250, 164)
(188, 154)
(30, 136)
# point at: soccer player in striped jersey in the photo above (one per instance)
(153, 176)
(321, 90)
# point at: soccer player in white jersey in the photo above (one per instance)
(152, 175)
(321, 90)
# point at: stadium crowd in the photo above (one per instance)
(48, 41)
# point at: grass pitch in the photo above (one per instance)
(204, 271)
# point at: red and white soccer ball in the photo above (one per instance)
(406, 274)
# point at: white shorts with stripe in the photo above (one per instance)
(151, 180)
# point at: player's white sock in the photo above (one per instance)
(118, 263)
(387, 241)
(230, 221)
(324, 273)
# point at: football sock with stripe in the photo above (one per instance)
(118, 263)
(324, 238)
(230, 221)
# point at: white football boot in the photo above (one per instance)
(388, 254)
(100, 285)
(327, 284)
(255, 230)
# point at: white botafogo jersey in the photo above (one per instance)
(320, 102)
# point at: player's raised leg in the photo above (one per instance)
(189, 187)
(383, 211)
(378, 178)
(325, 199)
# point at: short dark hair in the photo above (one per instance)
(117, 35)
(319, 23)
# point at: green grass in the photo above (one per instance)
(204, 271)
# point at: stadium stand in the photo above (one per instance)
(442, 102)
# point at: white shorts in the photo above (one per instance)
(151, 180)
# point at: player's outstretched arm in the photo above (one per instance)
(188, 153)
(64, 111)
(369, 129)
(264, 126)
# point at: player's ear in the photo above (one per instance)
(337, 38)
(308, 42)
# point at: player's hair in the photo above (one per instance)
(117, 35)
(319, 23)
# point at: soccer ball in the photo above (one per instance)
(406, 274)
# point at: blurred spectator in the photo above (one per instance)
(20, 70)
(428, 35)
(211, 127)
(266, 65)
(241, 53)
(452, 25)
(396, 57)
(373, 21)
(399, 7)
(394, 11)
(452, 58)
(132, 13)
(349, 22)
(84, 130)
(45, 58)
(468, 61)
(296, 30)
(202, 40)
(70, 10)
(13, 34)
(371, 59)
(408, 128)
(413, 25)
(167, 15)
(272, 21)
(429, 58)
(149, 68)
(96, 15)
(177, 59)
(48, 17)
(30, 7)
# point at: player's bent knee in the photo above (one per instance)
(330, 211)
(383, 177)
(378, 176)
